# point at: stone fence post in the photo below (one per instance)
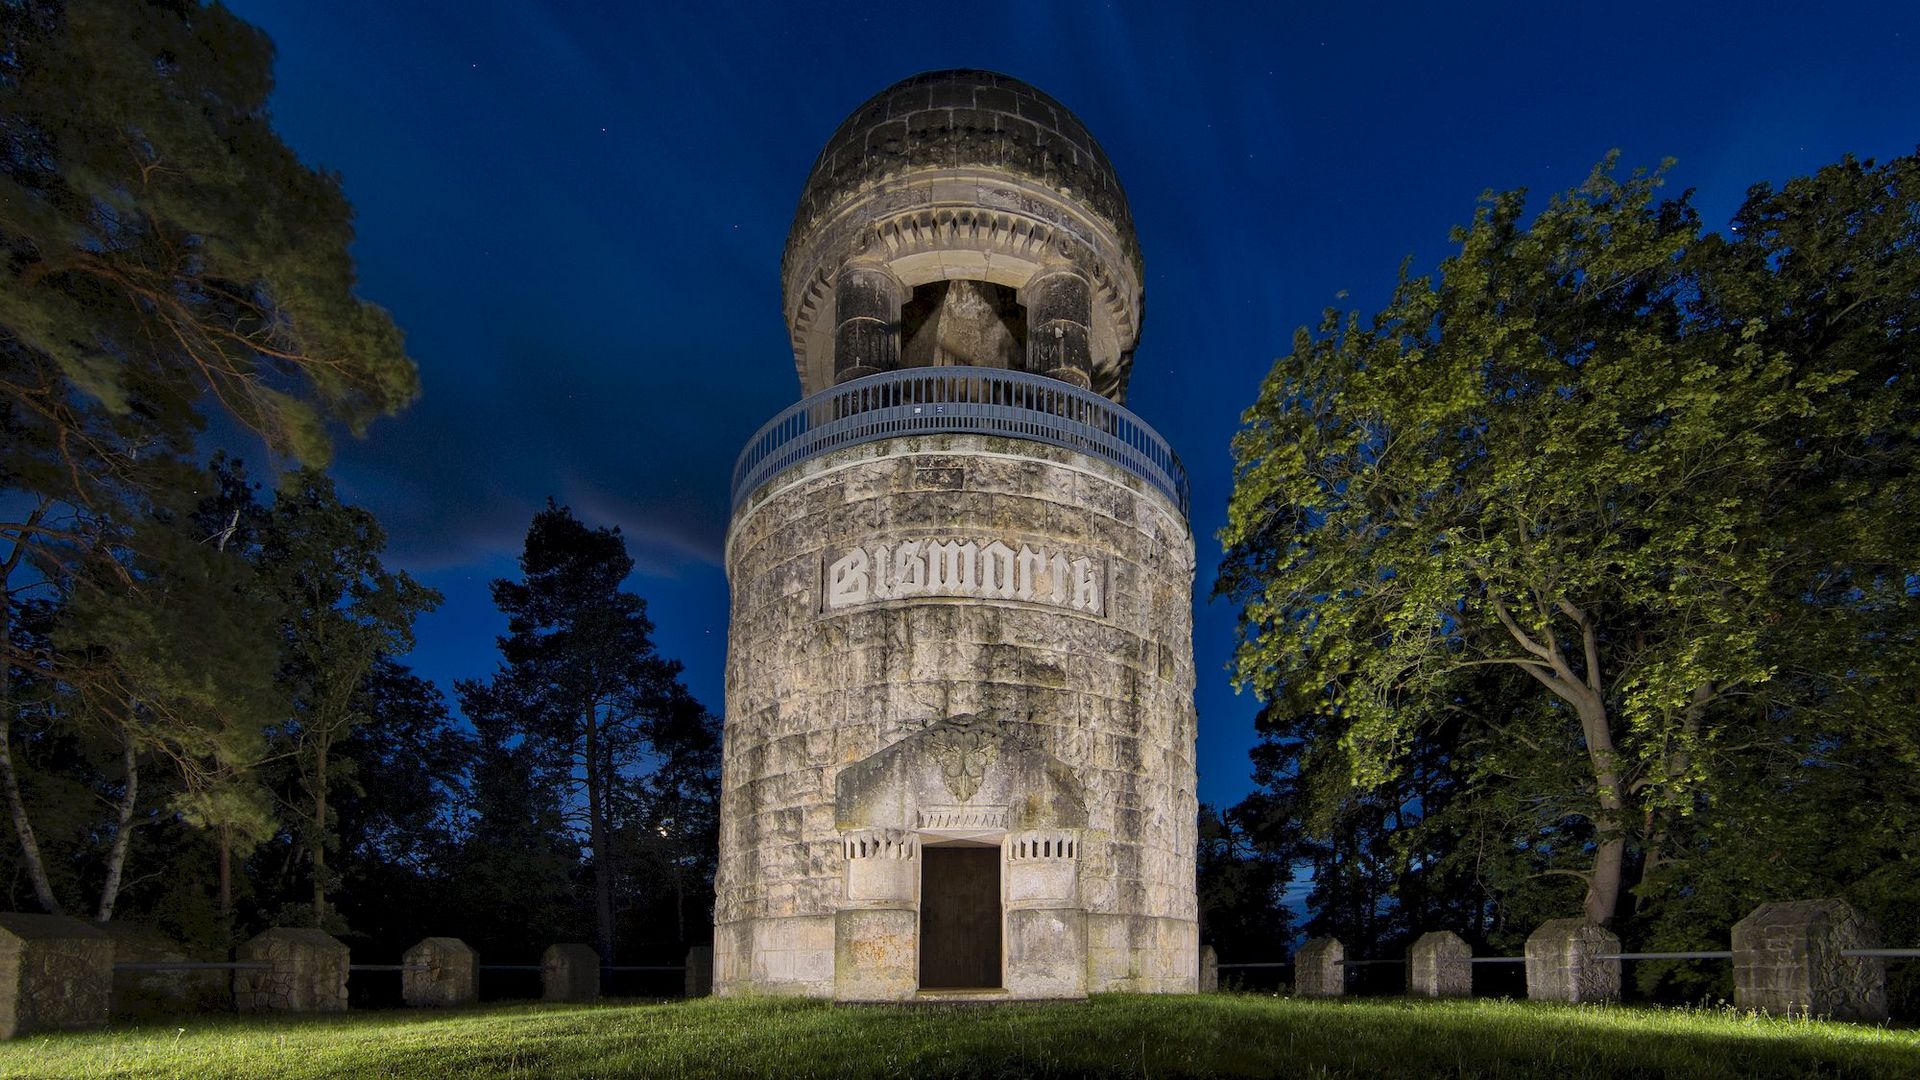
(55, 972)
(438, 972)
(1440, 964)
(307, 972)
(570, 973)
(1787, 961)
(1563, 962)
(1320, 968)
(1209, 969)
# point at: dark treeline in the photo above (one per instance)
(205, 724)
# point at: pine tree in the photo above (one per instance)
(580, 683)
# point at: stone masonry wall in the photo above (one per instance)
(307, 972)
(55, 972)
(1102, 684)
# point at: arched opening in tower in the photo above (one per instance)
(963, 323)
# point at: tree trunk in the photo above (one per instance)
(17, 806)
(23, 828)
(320, 836)
(123, 830)
(226, 873)
(679, 904)
(1609, 857)
(597, 840)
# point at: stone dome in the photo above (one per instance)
(945, 119)
(975, 175)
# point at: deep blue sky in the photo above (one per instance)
(577, 212)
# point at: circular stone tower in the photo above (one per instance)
(959, 716)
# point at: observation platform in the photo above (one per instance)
(960, 400)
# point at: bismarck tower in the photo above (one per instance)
(959, 719)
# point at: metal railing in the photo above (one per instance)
(952, 400)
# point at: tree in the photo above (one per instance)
(674, 819)
(1242, 886)
(517, 860)
(580, 682)
(343, 615)
(1650, 470)
(163, 257)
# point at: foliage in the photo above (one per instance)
(1242, 886)
(1111, 1035)
(343, 614)
(582, 689)
(161, 242)
(164, 260)
(1656, 483)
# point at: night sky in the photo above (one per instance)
(577, 216)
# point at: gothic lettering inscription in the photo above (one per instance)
(990, 571)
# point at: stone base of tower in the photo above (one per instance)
(960, 730)
(873, 955)
(791, 956)
(1141, 954)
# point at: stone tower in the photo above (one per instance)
(959, 716)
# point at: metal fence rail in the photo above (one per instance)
(1665, 956)
(193, 965)
(948, 400)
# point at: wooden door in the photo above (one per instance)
(959, 917)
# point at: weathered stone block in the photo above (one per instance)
(440, 972)
(55, 973)
(1320, 968)
(1209, 970)
(875, 954)
(1787, 960)
(306, 972)
(1047, 953)
(699, 971)
(570, 973)
(1563, 962)
(882, 864)
(1042, 867)
(1440, 964)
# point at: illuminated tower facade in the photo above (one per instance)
(959, 720)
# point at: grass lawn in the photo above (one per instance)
(1118, 1035)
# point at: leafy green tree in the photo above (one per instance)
(1650, 470)
(163, 257)
(343, 615)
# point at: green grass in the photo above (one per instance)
(1119, 1035)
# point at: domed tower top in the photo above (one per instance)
(964, 218)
